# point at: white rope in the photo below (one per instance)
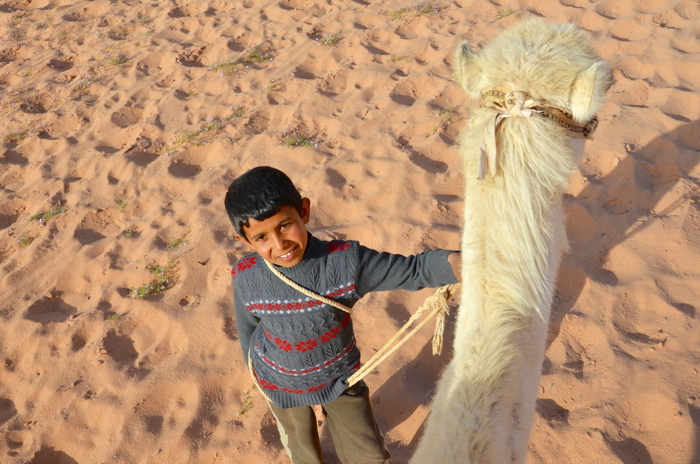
(306, 291)
(436, 304)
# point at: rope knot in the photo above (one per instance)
(507, 103)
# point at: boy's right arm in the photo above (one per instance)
(245, 323)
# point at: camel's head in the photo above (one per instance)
(552, 62)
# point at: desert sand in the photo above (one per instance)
(123, 123)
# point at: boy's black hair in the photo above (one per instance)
(259, 194)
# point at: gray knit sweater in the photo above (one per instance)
(302, 350)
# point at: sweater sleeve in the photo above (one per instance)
(385, 271)
(245, 323)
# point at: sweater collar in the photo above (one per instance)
(315, 249)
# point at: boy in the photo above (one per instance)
(302, 351)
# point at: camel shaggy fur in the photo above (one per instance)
(512, 240)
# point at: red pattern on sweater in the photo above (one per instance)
(298, 305)
(337, 245)
(301, 346)
(244, 264)
(271, 386)
(310, 370)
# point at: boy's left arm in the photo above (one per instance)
(385, 271)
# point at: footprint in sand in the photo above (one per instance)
(126, 117)
(120, 348)
(170, 409)
(257, 123)
(683, 106)
(334, 83)
(190, 302)
(155, 339)
(614, 9)
(670, 20)
(550, 411)
(183, 170)
(628, 29)
(629, 450)
(50, 309)
(10, 212)
(95, 226)
(78, 341)
(306, 71)
(48, 454)
(688, 9)
(7, 410)
(404, 94)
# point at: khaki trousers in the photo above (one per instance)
(354, 430)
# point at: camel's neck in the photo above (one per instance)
(514, 229)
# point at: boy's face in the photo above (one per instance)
(280, 239)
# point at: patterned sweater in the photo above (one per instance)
(302, 350)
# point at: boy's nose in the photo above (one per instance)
(278, 241)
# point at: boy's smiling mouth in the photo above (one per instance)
(289, 255)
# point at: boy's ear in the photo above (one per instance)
(244, 241)
(305, 210)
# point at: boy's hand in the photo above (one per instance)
(455, 260)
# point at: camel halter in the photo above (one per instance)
(516, 103)
(436, 304)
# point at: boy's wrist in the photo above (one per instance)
(455, 260)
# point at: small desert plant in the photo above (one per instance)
(227, 68)
(25, 241)
(175, 242)
(191, 93)
(296, 138)
(114, 317)
(45, 216)
(16, 137)
(424, 7)
(247, 403)
(205, 133)
(330, 39)
(186, 138)
(500, 14)
(237, 113)
(121, 203)
(131, 231)
(431, 132)
(272, 86)
(86, 81)
(396, 58)
(164, 279)
(254, 55)
(117, 60)
(449, 114)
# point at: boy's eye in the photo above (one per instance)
(260, 238)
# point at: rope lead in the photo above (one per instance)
(436, 304)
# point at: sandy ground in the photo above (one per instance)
(123, 123)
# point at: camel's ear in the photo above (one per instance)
(589, 89)
(468, 72)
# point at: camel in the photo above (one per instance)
(542, 83)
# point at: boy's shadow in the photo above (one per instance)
(637, 184)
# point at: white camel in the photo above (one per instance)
(541, 84)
